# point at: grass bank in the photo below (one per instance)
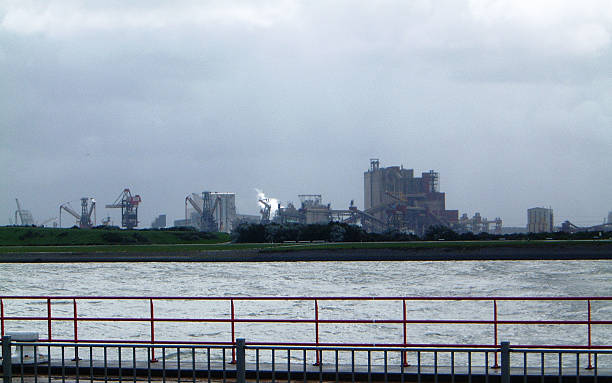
(37, 236)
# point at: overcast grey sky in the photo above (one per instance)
(510, 100)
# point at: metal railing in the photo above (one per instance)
(198, 363)
(76, 319)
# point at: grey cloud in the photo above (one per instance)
(240, 96)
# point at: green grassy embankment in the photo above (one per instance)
(24, 239)
(416, 245)
(49, 240)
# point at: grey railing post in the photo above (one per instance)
(240, 361)
(505, 362)
(7, 368)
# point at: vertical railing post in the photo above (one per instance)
(496, 365)
(7, 368)
(505, 362)
(405, 335)
(1, 318)
(317, 353)
(49, 319)
(75, 329)
(590, 366)
(151, 311)
(240, 361)
(233, 315)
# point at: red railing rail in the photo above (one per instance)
(315, 320)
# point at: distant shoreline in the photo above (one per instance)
(586, 252)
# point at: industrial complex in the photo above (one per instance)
(394, 200)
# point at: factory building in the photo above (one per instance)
(395, 199)
(311, 211)
(539, 220)
(210, 211)
(159, 222)
(478, 224)
(225, 211)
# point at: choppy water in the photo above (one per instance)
(465, 278)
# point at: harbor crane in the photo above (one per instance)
(83, 220)
(265, 211)
(206, 213)
(25, 217)
(129, 208)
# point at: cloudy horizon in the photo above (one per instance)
(509, 100)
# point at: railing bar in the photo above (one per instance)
(164, 364)
(310, 298)
(435, 367)
(233, 324)
(63, 365)
(352, 366)
(320, 363)
(469, 366)
(577, 367)
(208, 364)
(257, 366)
(134, 363)
(288, 365)
(120, 372)
(419, 367)
(402, 366)
(589, 330)
(337, 371)
(148, 365)
(369, 366)
(486, 366)
(224, 372)
(452, 367)
(91, 373)
(304, 364)
(1, 318)
(178, 365)
(542, 367)
(385, 355)
(35, 364)
(273, 366)
(524, 367)
(105, 364)
(193, 364)
(49, 363)
(76, 362)
(21, 363)
(49, 319)
(495, 340)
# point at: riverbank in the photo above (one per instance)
(559, 250)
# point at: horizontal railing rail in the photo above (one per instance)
(183, 363)
(76, 318)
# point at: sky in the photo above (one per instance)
(509, 100)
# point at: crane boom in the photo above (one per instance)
(19, 211)
(91, 208)
(67, 208)
(194, 204)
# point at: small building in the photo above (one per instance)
(159, 222)
(539, 220)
